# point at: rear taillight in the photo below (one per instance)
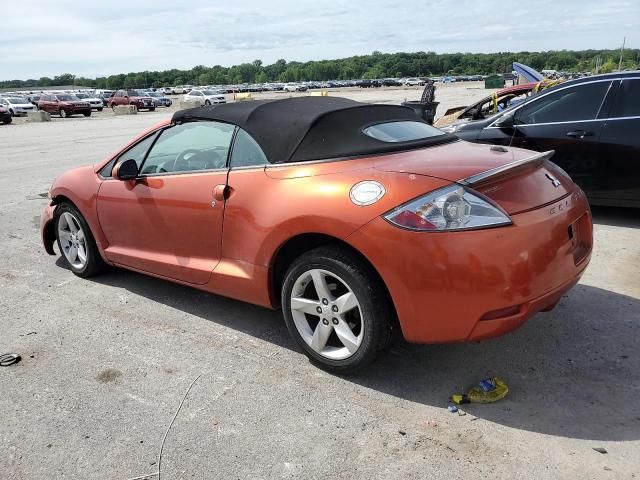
(450, 208)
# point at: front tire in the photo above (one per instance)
(87, 114)
(63, 113)
(337, 309)
(76, 243)
(99, 109)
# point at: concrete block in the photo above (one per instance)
(240, 97)
(38, 116)
(184, 104)
(125, 110)
(320, 93)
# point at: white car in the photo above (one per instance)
(294, 87)
(17, 106)
(95, 102)
(205, 97)
(413, 82)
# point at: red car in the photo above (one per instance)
(356, 220)
(132, 97)
(64, 105)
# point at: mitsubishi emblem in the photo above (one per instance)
(554, 180)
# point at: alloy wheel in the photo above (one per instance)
(72, 240)
(327, 314)
(63, 113)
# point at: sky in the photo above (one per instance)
(50, 37)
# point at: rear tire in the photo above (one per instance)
(75, 241)
(7, 120)
(353, 326)
(100, 109)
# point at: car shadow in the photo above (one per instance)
(573, 372)
(616, 217)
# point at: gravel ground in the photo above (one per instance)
(106, 363)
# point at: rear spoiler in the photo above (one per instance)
(493, 173)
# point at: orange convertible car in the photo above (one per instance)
(357, 220)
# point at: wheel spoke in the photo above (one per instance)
(65, 235)
(305, 305)
(320, 283)
(70, 223)
(320, 336)
(346, 302)
(72, 254)
(346, 336)
(82, 254)
(80, 235)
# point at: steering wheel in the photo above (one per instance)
(182, 156)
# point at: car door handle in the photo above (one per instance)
(579, 134)
(220, 192)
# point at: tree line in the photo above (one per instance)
(376, 65)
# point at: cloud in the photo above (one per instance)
(123, 36)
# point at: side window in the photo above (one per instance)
(581, 102)
(137, 153)
(627, 103)
(246, 151)
(190, 147)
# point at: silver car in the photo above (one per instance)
(17, 106)
(206, 97)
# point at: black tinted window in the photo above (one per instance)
(627, 103)
(581, 102)
(246, 152)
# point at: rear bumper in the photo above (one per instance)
(474, 285)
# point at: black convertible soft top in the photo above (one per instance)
(312, 128)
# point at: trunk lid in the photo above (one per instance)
(519, 189)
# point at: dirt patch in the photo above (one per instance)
(109, 375)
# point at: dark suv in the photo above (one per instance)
(132, 97)
(64, 105)
(593, 125)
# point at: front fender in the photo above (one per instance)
(80, 186)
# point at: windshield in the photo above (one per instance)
(81, 95)
(153, 94)
(210, 92)
(407, 131)
(16, 100)
(66, 98)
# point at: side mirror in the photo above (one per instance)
(125, 170)
(505, 121)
